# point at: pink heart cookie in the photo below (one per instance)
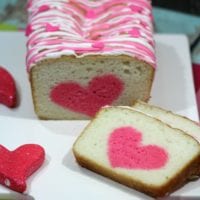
(8, 91)
(101, 91)
(125, 150)
(16, 166)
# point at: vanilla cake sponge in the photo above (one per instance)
(138, 151)
(174, 120)
(82, 55)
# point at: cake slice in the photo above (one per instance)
(138, 151)
(174, 120)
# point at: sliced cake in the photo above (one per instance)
(138, 151)
(174, 120)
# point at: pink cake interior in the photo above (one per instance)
(101, 91)
(125, 150)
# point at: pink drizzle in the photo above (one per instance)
(51, 28)
(135, 32)
(91, 14)
(28, 30)
(43, 8)
(83, 27)
(135, 8)
(98, 45)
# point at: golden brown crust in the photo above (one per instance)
(32, 93)
(150, 85)
(181, 178)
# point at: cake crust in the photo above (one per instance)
(180, 180)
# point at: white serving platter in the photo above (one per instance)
(61, 177)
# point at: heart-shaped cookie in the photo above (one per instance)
(125, 150)
(101, 91)
(16, 166)
(7, 88)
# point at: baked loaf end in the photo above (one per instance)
(138, 151)
(119, 81)
(83, 55)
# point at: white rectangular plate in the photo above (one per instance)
(61, 177)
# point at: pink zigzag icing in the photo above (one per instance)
(83, 27)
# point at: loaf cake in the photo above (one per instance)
(137, 150)
(82, 55)
(174, 120)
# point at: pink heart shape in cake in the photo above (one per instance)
(125, 150)
(101, 91)
(16, 166)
